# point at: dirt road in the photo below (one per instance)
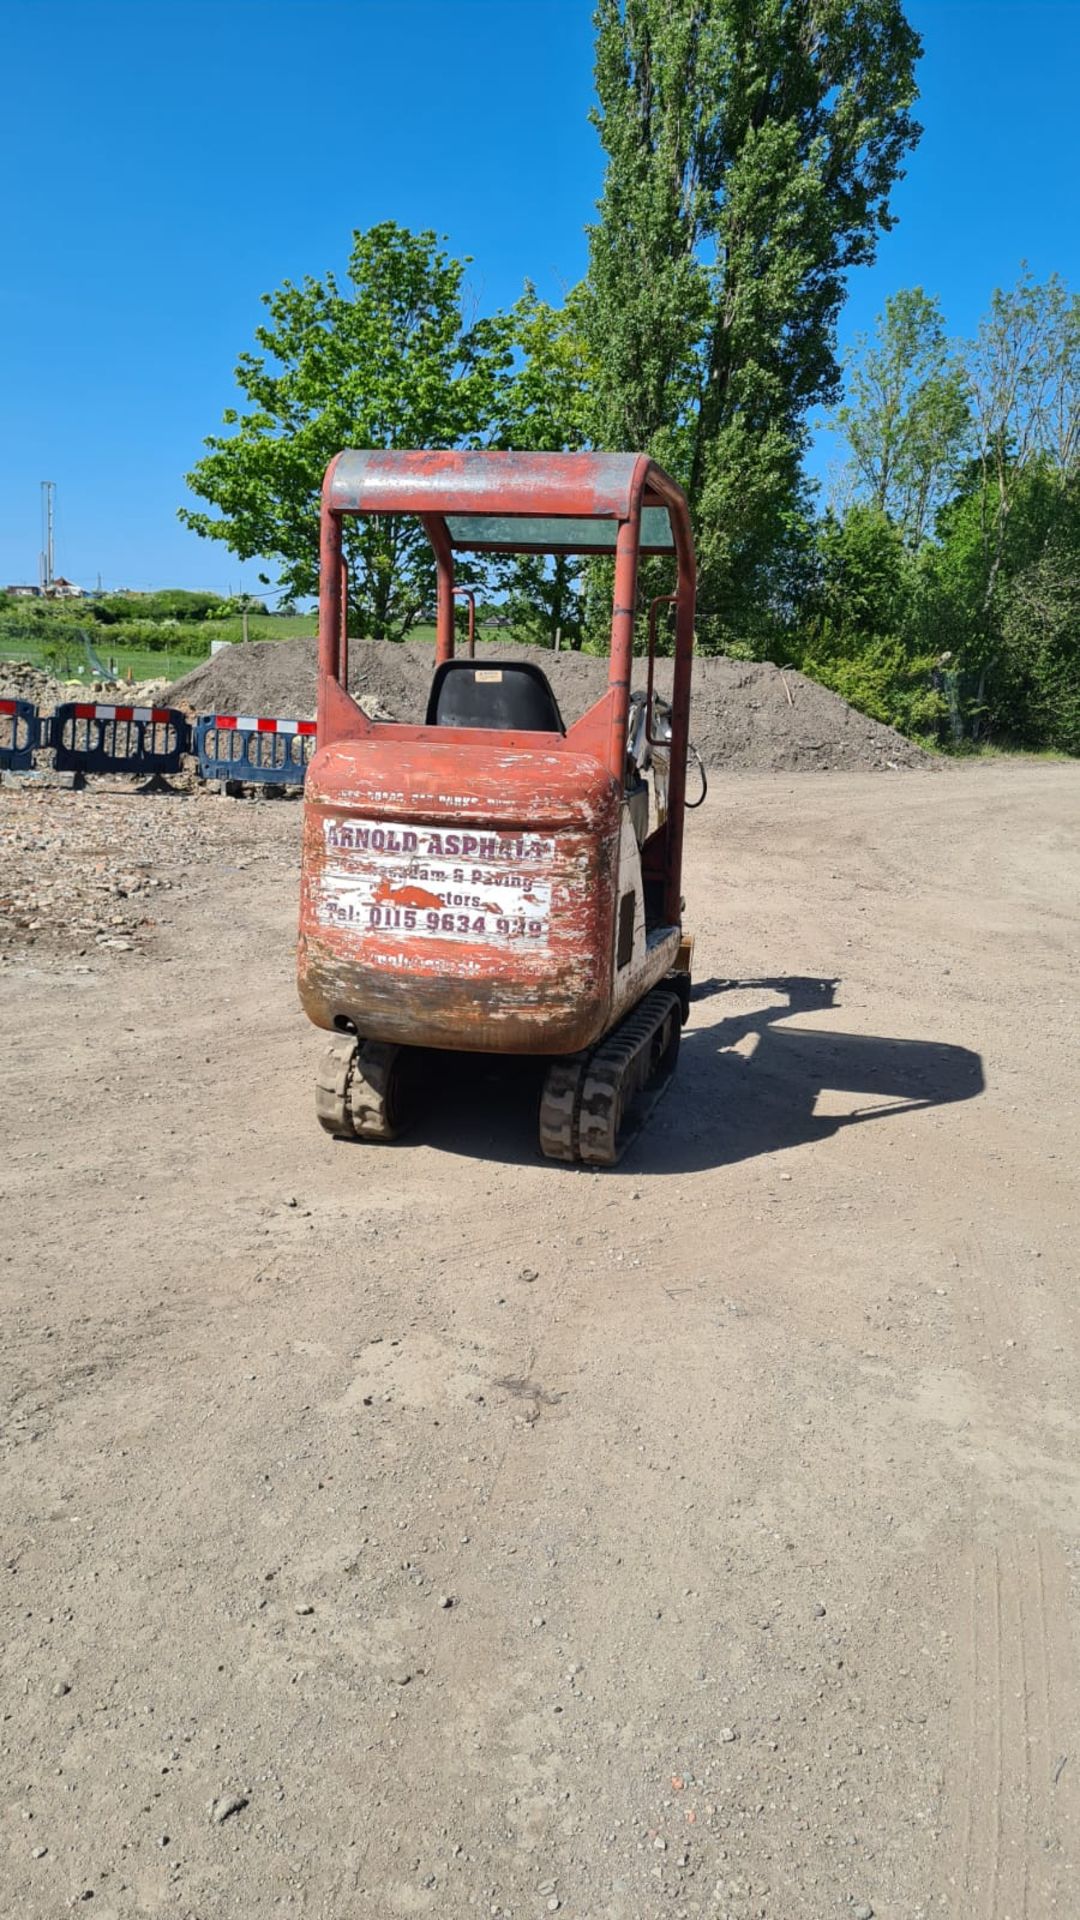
(478, 1536)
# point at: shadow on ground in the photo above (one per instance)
(747, 1084)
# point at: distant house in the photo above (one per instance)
(24, 593)
(62, 589)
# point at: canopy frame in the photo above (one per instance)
(446, 487)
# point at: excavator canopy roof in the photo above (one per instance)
(498, 502)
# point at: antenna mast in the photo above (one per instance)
(46, 568)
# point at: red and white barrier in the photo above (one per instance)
(148, 716)
(251, 723)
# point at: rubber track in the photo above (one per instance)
(352, 1090)
(373, 1116)
(586, 1095)
(617, 1071)
(560, 1105)
(333, 1083)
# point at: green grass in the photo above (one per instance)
(187, 643)
(145, 663)
(261, 626)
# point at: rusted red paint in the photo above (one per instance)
(487, 995)
(579, 485)
(459, 885)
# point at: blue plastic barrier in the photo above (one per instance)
(96, 737)
(99, 737)
(19, 726)
(243, 747)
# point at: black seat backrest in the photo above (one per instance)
(511, 695)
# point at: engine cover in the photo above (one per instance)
(459, 895)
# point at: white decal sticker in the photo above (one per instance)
(489, 888)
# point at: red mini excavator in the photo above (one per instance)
(494, 882)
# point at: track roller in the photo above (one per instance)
(595, 1103)
(362, 1089)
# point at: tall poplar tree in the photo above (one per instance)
(752, 146)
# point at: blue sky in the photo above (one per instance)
(166, 161)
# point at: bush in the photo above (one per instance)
(154, 636)
(173, 603)
(882, 679)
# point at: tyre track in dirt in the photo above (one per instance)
(1015, 1714)
(787, 1411)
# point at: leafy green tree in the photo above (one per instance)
(863, 586)
(389, 360)
(752, 146)
(1040, 630)
(858, 638)
(544, 399)
(993, 647)
(1023, 371)
(999, 560)
(987, 592)
(906, 419)
(545, 406)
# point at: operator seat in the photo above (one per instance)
(512, 695)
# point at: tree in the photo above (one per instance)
(998, 565)
(857, 636)
(1024, 374)
(1004, 668)
(388, 361)
(863, 587)
(545, 397)
(907, 420)
(752, 146)
(545, 405)
(1041, 638)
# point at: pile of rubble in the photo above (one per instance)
(103, 869)
(21, 680)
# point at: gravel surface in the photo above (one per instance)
(749, 1471)
(80, 871)
(746, 716)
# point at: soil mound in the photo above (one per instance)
(747, 716)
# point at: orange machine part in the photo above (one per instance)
(485, 879)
